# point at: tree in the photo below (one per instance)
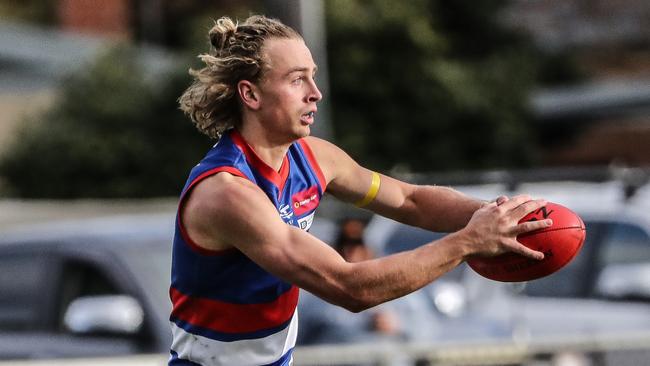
(112, 133)
(429, 84)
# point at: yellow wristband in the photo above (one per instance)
(372, 191)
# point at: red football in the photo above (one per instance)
(559, 242)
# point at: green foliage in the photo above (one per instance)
(112, 133)
(429, 85)
(36, 11)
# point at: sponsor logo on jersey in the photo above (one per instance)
(305, 201)
(286, 214)
(305, 222)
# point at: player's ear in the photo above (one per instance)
(249, 94)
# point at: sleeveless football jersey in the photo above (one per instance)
(226, 309)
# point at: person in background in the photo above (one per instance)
(409, 318)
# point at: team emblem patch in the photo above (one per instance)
(286, 214)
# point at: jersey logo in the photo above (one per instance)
(286, 214)
(305, 201)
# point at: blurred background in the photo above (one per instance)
(489, 96)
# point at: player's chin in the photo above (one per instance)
(304, 130)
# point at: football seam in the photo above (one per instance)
(539, 231)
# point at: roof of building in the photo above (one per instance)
(34, 57)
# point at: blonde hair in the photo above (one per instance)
(212, 101)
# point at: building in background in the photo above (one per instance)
(605, 118)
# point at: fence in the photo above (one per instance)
(631, 349)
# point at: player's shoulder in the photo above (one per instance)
(219, 204)
(223, 190)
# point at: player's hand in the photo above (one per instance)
(493, 228)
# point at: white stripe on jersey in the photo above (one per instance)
(210, 352)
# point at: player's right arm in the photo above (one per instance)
(225, 211)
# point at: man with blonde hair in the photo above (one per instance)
(242, 247)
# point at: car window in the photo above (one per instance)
(81, 279)
(624, 243)
(22, 281)
(409, 237)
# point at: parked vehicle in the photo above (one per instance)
(603, 291)
(89, 287)
(83, 288)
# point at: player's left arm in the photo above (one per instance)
(435, 208)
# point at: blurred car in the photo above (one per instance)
(92, 287)
(604, 291)
(95, 287)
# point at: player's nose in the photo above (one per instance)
(314, 93)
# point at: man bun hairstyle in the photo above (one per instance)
(212, 101)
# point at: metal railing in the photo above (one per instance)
(505, 352)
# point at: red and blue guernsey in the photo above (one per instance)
(227, 310)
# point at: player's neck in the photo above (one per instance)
(271, 151)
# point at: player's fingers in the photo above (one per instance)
(515, 202)
(489, 204)
(501, 200)
(529, 226)
(519, 248)
(527, 207)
